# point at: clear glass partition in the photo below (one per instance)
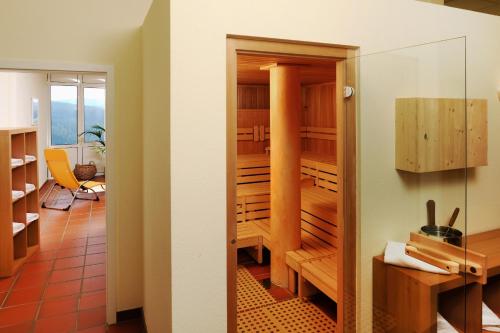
(412, 156)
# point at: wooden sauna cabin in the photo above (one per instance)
(287, 171)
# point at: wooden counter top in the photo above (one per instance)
(487, 243)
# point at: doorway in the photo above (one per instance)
(325, 176)
(99, 229)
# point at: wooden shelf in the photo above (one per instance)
(431, 134)
(15, 250)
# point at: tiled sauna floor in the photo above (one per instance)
(62, 288)
(264, 307)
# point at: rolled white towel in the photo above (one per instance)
(30, 188)
(29, 158)
(443, 326)
(16, 162)
(491, 322)
(30, 217)
(395, 255)
(16, 195)
(17, 227)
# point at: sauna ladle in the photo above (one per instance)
(431, 213)
(453, 219)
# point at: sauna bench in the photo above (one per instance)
(314, 265)
(249, 236)
(407, 300)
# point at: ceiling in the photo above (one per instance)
(483, 6)
(313, 69)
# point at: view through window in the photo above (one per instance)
(94, 106)
(64, 115)
(69, 118)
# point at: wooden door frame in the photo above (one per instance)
(346, 160)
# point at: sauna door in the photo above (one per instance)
(413, 131)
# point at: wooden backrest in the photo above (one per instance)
(318, 202)
(252, 169)
(319, 214)
(253, 202)
(324, 174)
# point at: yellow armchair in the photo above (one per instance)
(59, 166)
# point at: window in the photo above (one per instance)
(94, 100)
(78, 103)
(64, 114)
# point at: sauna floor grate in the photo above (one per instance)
(289, 316)
(250, 293)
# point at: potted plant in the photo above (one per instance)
(88, 171)
(99, 133)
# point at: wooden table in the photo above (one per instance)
(407, 300)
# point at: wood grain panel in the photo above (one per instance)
(431, 134)
(319, 111)
(253, 96)
(314, 70)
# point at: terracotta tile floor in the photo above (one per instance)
(62, 288)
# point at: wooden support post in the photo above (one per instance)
(285, 95)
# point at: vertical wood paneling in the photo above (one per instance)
(253, 97)
(319, 109)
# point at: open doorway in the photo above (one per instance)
(62, 272)
(291, 186)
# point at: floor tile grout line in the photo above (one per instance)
(60, 238)
(84, 264)
(10, 290)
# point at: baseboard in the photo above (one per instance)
(131, 314)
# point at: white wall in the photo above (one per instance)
(7, 86)
(198, 103)
(16, 92)
(156, 125)
(96, 32)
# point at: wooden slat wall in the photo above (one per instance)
(319, 108)
(318, 118)
(253, 110)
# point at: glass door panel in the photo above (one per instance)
(77, 105)
(412, 139)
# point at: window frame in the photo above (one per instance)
(95, 86)
(80, 110)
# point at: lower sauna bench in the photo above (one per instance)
(250, 237)
(316, 262)
(322, 274)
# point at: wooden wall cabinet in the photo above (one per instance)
(15, 249)
(431, 134)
